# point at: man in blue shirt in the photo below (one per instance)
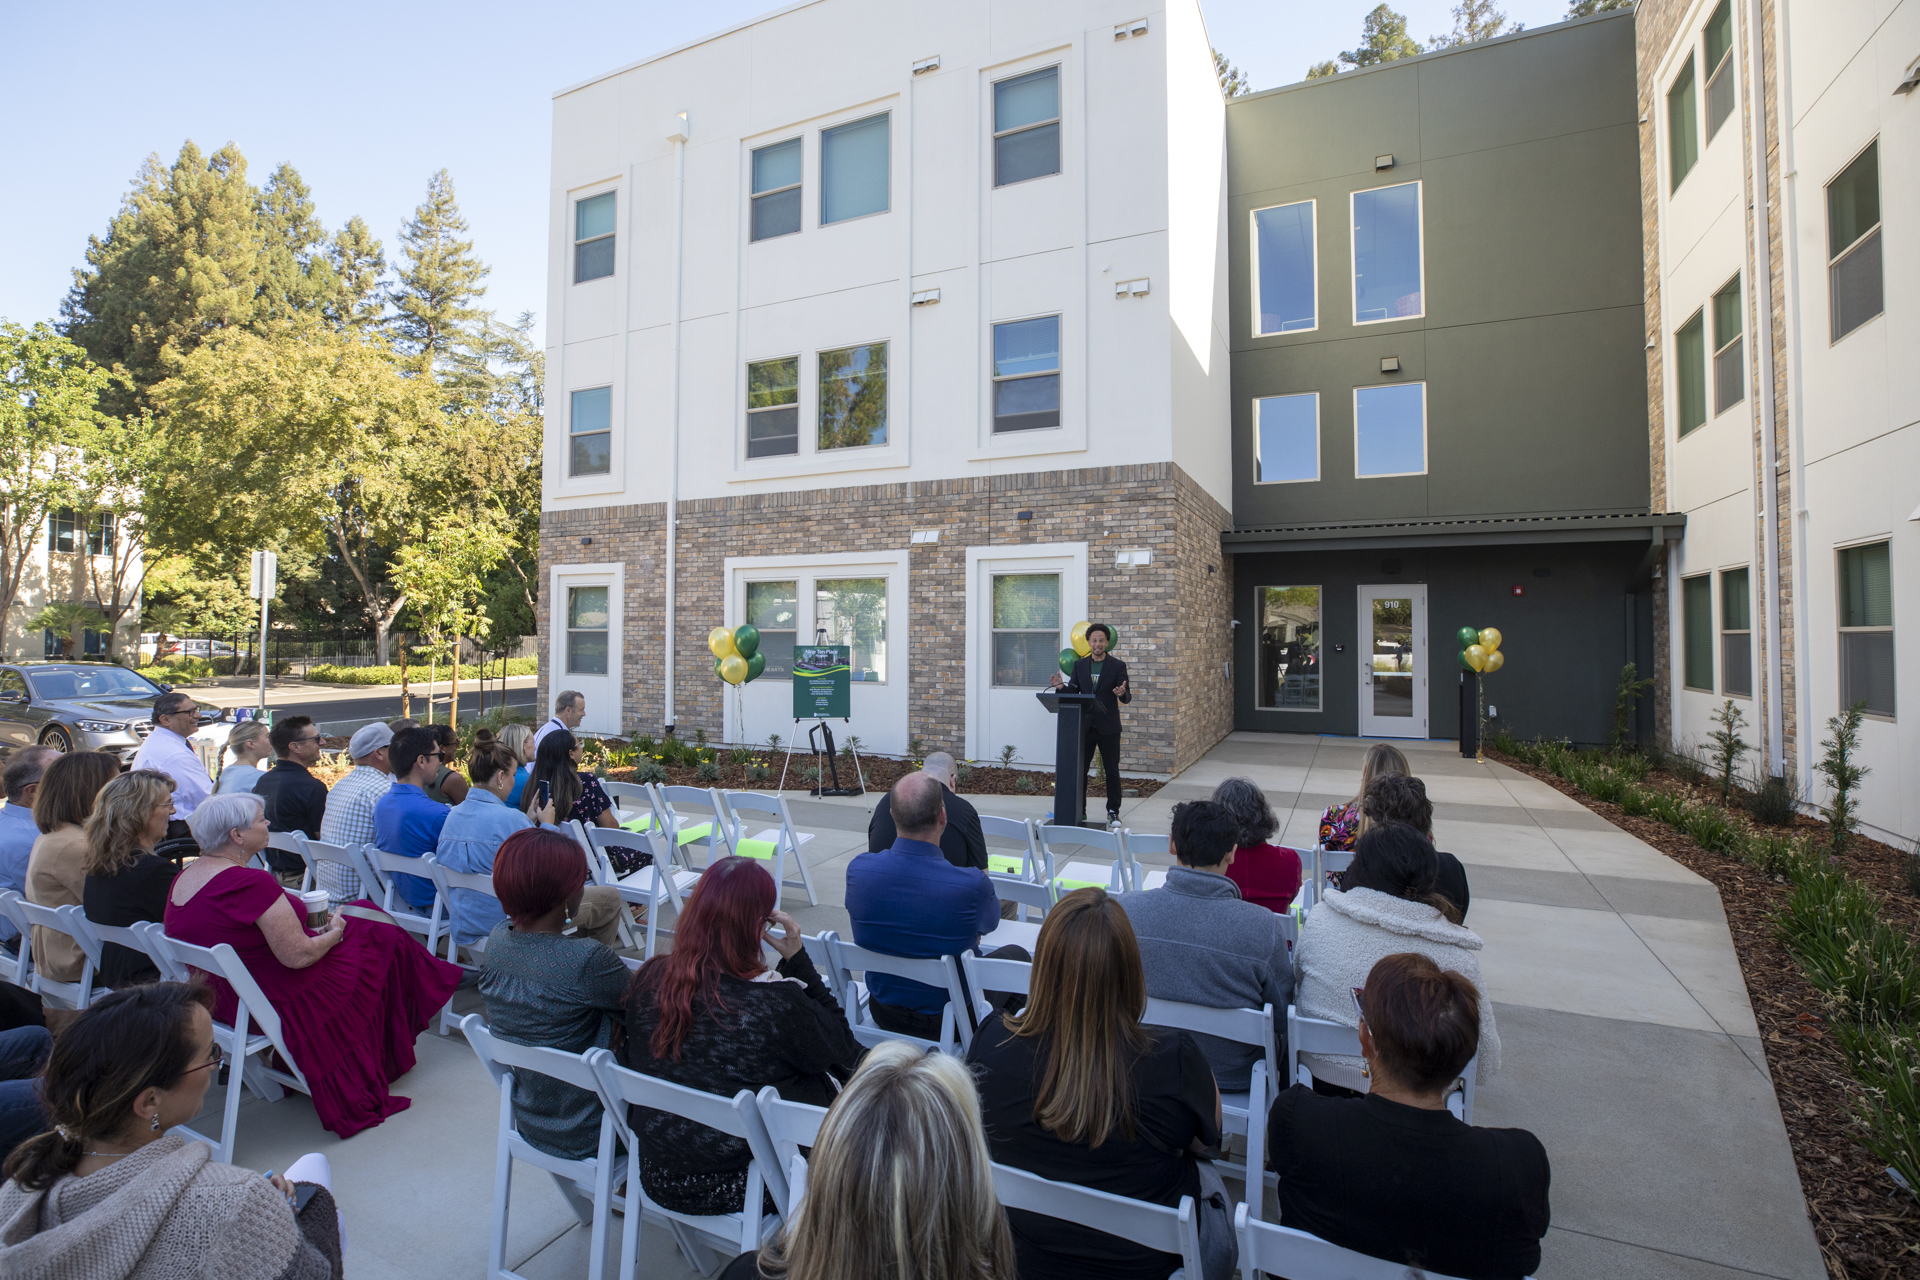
(908, 900)
(17, 832)
(405, 821)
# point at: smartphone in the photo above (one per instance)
(543, 795)
(303, 1192)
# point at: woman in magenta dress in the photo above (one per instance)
(351, 997)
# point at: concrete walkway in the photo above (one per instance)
(1630, 1048)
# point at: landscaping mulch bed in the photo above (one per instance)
(880, 773)
(1867, 1227)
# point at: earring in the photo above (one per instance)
(156, 1122)
(1366, 1069)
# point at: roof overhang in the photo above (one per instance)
(1656, 528)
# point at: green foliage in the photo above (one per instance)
(699, 736)
(1321, 70)
(48, 387)
(1685, 765)
(1007, 754)
(916, 749)
(1586, 9)
(181, 601)
(174, 670)
(1728, 745)
(327, 673)
(66, 619)
(1626, 695)
(1776, 801)
(1842, 774)
(1233, 81)
(740, 756)
(1473, 21)
(1833, 926)
(850, 746)
(359, 265)
(707, 771)
(1023, 784)
(650, 770)
(1383, 38)
(773, 741)
(434, 317)
(1885, 1058)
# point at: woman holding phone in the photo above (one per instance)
(575, 796)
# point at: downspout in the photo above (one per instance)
(1763, 303)
(1796, 404)
(677, 135)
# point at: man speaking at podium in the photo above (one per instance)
(1105, 677)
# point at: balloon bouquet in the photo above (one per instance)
(1480, 654)
(1081, 648)
(736, 654)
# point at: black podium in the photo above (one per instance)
(1069, 766)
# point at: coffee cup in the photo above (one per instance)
(315, 901)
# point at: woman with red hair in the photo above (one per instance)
(545, 988)
(713, 1017)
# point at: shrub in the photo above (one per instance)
(740, 756)
(1710, 828)
(1626, 695)
(709, 771)
(1832, 925)
(1007, 754)
(1632, 765)
(1634, 800)
(1842, 774)
(966, 772)
(327, 673)
(916, 749)
(1776, 801)
(650, 770)
(1728, 745)
(773, 741)
(1507, 745)
(1886, 1060)
(757, 772)
(1023, 784)
(851, 747)
(1670, 809)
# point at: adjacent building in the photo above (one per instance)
(83, 559)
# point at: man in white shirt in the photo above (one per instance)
(569, 709)
(349, 818)
(166, 750)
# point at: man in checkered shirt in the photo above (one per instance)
(349, 818)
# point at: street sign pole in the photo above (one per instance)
(266, 578)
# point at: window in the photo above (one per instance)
(1696, 625)
(1386, 254)
(1390, 430)
(774, 610)
(1026, 374)
(1853, 243)
(61, 528)
(1683, 125)
(1720, 58)
(1286, 438)
(1729, 373)
(1290, 648)
(853, 397)
(776, 190)
(593, 238)
(853, 612)
(1690, 373)
(1026, 127)
(1866, 628)
(1283, 248)
(854, 170)
(1736, 634)
(586, 631)
(100, 534)
(1026, 629)
(773, 408)
(590, 423)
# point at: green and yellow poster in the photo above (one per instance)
(822, 678)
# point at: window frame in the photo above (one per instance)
(1057, 121)
(1736, 345)
(102, 531)
(1859, 242)
(1675, 173)
(1058, 373)
(69, 519)
(747, 582)
(1682, 430)
(994, 631)
(1842, 630)
(1353, 250)
(824, 221)
(1426, 449)
(572, 435)
(606, 632)
(746, 372)
(1744, 634)
(1313, 265)
(1725, 67)
(1705, 582)
(613, 235)
(1294, 395)
(754, 197)
(1319, 648)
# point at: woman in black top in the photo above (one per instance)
(1075, 1089)
(1392, 1173)
(577, 796)
(713, 1017)
(126, 881)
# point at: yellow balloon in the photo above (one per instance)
(1079, 635)
(1495, 661)
(720, 640)
(733, 668)
(1476, 657)
(1490, 638)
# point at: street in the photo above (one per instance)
(343, 716)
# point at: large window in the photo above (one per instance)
(100, 534)
(773, 408)
(1284, 271)
(590, 427)
(1026, 127)
(1853, 243)
(853, 612)
(586, 631)
(1683, 125)
(1866, 628)
(1690, 371)
(1390, 430)
(593, 238)
(1286, 438)
(1386, 254)
(776, 190)
(1696, 626)
(774, 610)
(853, 396)
(1026, 374)
(63, 531)
(1026, 629)
(1290, 648)
(1719, 62)
(1729, 370)
(854, 170)
(1736, 633)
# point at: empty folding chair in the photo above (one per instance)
(1268, 1249)
(16, 966)
(1243, 1111)
(790, 1126)
(1324, 1038)
(348, 857)
(1139, 845)
(698, 819)
(1151, 1226)
(1024, 864)
(588, 1186)
(631, 804)
(662, 882)
(782, 845)
(1038, 897)
(1067, 875)
(956, 1030)
(78, 994)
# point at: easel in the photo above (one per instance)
(833, 764)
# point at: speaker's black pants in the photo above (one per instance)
(1109, 747)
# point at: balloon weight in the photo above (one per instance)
(1079, 635)
(733, 668)
(1475, 656)
(720, 642)
(755, 665)
(1067, 658)
(1495, 661)
(1490, 639)
(1467, 636)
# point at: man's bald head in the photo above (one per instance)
(942, 766)
(918, 803)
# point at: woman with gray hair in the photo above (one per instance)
(1268, 875)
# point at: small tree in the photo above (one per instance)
(1728, 746)
(1233, 81)
(443, 575)
(1626, 697)
(1842, 774)
(66, 619)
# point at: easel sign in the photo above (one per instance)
(822, 682)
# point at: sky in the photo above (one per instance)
(368, 100)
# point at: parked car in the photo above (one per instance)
(83, 706)
(154, 644)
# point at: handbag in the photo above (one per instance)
(1213, 1215)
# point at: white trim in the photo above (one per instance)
(1426, 459)
(1313, 260)
(1068, 559)
(613, 576)
(1315, 477)
(1353, 253)
(1369, 725)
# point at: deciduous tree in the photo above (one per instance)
(48, 389)
(1233, 81)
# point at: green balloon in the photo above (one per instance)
(1067, 658)
(1113, 637)
(716, 666)
(746, 638)
(1467, 636)
(1464, 664)
(755, 664)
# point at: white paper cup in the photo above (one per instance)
(316, 904)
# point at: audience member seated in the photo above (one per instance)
(350, 802)
(447, 787)
(545, 988)
(250, 745)
(1268, 874)
(909, 900)
(1389, 906)
(57, 867)
(21, 782)
(295, 799)
(1404, 799)
(712, 1016)
(405, 820)
(1075, 1089)
(575, 796)
(126, 881)
(963, 843)
(1200, 944)
(473, 833)
(351, 997)
(25, 1042)
(1340, 824)
(1393, 1174)
(109, 1194)
(518, 738)
(898, 1185)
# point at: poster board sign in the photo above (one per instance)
(822, 681)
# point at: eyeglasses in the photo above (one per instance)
(215, 1060)
(312, 737)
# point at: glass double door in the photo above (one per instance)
(1393, 661)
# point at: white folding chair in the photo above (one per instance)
(1068, 876)
(1325, 862)
(1151, 1226)
(1023, 865)
(385, 866)
(1136, 845)
(1325, 1038)
(820, 951)
(698, 818)
(984, 974)
(630, 801)
(76, 995)
(134, 937)
(294, 842)
(353, 857)
(588, 1186)
(783, 845)
(1030, 895)
(846, 958)
(664, 881)
(699, 1235)
(16, 966)
(1242, 1111)
(789, 1126)
(440, 921)
(1266, 1248)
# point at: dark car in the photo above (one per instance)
(79, 706)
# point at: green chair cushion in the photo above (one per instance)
(689, 834)
(1004, 865)
(762, 849)
(1068, 886)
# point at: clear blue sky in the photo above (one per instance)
(367, 100)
